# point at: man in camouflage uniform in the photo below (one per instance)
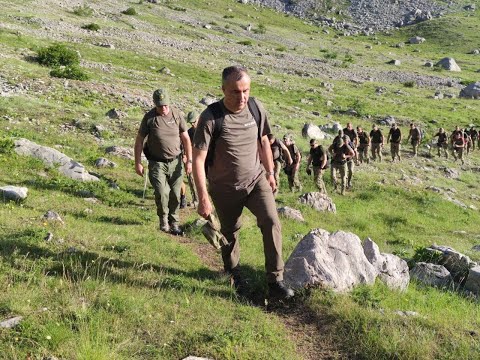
(395, 138)
(341, 152)
(164, 128)
(240, 174)
(458, 147)
(278, 149)
(363, 145)
(318, 159)
(377, 140)
(292, 170)
(416, 137)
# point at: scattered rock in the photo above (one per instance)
(311, 131)
(103, 162)
(448, 64)
(291, 213)
(126, 153)
(318, 201)
(395, 62)
(12, 322)
(13, 193)
(429, 64)
(451, 173)
(52, 216)
(471, 91)
(431, 275)
(406, 313)
(473, 281)
(456, 263)
(388, 121)
(116, 114)
(334, 261)
(416, 40)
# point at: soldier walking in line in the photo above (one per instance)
(318, 159)
(280, 155)
(416, 137)
(458, 147)
(165, 129)
(292, 169)
(377, 140)
(474, 135)
(442, 142)
(341, 152)
(351, 133)
(363, 145)
(395, 138)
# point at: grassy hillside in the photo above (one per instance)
(109, 285)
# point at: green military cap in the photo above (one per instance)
(192, 116)
(161, 97)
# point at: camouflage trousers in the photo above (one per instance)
(363, 153)
(277, 167)
(458, 154)
(341, 169)
(294, 181)
(166, 179)
(415, 143)
(318, 179)
(443, 147)
(395, 150)
(377, 151)
(350, 170)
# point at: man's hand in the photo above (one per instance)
(139, 169)
(309, 171)
(204, 208)
(188, 167)
(272, 182)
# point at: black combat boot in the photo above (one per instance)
(175, 229)
(183, 202)
(238, 282)
(279, 291)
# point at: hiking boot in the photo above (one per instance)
(183, 202)
(279, 291)
(175, 229)
(164, 224)
(238, 282)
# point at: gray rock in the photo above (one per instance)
(126, 153)
(319, 201)
(451, 173)
(311, 131)
(291, 213)
(51, 157)
(103, 162)
(416, 40)
(116, 114)
(473, 281)
(392, 270)
(476, 248)
(12, 322)
(406, 313)
(475, 52)
(456, 263)
(471, 91)
(395, 62)
(428, 64)
(334, 261)
(13, 193)
(431, 275)
(52, 216)
(388, 121)
(448, 64)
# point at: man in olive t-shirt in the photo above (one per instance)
(395, 138)
(236, 178)
(377, 139)
(164, 128)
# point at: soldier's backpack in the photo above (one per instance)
(218, 119)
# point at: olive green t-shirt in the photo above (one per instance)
(163, 133)
(236, 162)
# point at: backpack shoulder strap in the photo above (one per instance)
(255, 111)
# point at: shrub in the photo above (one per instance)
(228, 16)
(91, 27)
(83, 10)
(281, 48)
(130, 11)
(261, 29)
(6, 145)
(74, 72)
(428, 256)
(409, 84)
(330, 55)
(58, 55)
(245, 42)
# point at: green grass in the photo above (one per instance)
(109, 285)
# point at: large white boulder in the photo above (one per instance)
(13, 193)
(448, 64)
(319, 201)
(431, 275)
(335, 261)
(392, 270)
(473, 280)
(471, 91)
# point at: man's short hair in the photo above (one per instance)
(313, 141)
(271, 137)
(237, 72)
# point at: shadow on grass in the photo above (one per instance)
(78, 265)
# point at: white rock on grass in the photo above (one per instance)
(471, 91)
(416, 40)
(335, 261)
(473, 281)
(431, 275)
(10, 323)
(449, 64)
(13, 193)
(291, 213)
(318, 201)
(392, 270)
(311, 131)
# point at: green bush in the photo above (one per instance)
(409, 84)
(130, 11)
(261, 29)
(229, 16)
(6, 145)
(281, 48)
(83, 10)
(57, 55)
(245, 42)
(330, 55)
(73, 72)
(91, 27)
(428, 256)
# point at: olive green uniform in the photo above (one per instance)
(164, 164)
(363, 145)
(317, 155)
(339, 164)
(277, 162)
(415, 137)
(377, 143)
(236, 180)
(395, 136)
(293, 179)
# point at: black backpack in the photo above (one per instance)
(218, 118)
